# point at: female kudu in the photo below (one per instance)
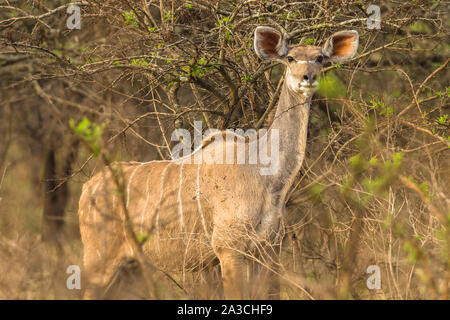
(197, 213)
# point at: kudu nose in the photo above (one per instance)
(310, 77)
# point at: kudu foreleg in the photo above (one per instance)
(232, 266)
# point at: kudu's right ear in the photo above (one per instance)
(269, 43)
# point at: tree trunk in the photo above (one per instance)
(56, 197)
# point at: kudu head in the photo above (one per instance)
(304, 62)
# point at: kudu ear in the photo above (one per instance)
(269, 43)
(341, 46)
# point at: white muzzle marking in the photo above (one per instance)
(307, 88)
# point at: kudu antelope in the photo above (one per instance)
(202, 214)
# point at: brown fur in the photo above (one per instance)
(198, 215)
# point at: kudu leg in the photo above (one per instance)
(117, 280)
(94, 282)
(269, 282)
(273, 271)
(102, 274)
(266, 281)
(233, 278)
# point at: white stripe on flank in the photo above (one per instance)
(161, 185)
(146, 200)
(186, 251)
(199, 205)
(129, 183)
(180, 204)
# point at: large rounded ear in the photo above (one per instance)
(269, 43)
(341, 46)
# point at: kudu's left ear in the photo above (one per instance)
(269, 43)
(341, 46)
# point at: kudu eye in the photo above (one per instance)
(319, 59)
(290, 59)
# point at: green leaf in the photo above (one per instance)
(130, 18)
(331, 87)
(142, 238)
(310, 42)
(316, 191)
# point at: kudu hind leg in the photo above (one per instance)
(232, 266)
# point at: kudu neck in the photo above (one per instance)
(291, 121)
